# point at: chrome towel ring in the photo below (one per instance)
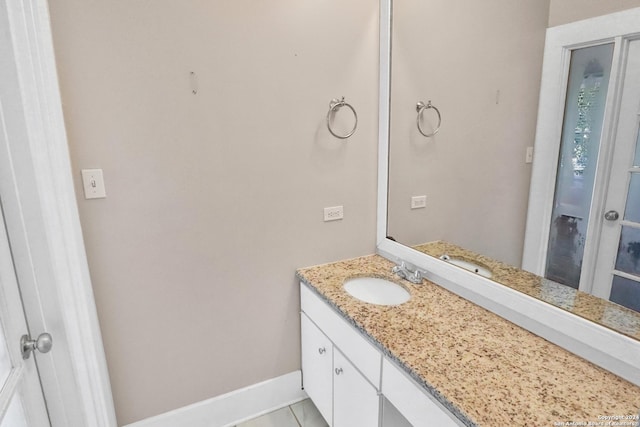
(334, 106)
(420, 107)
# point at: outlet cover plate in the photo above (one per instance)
(418, 202)
(333, 213)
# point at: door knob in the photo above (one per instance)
(611, 216)
(43, 344)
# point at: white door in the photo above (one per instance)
(41, 220)
(21, 400)
(617, 275)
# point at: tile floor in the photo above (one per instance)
(301, 414)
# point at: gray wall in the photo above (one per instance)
(213, 200)
(565, 11)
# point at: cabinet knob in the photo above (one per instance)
(322, 350)
(338, 371)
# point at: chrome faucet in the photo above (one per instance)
(414, 276)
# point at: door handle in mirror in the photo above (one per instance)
(611, 216)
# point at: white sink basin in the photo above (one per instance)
(467, 265)
(376, 291)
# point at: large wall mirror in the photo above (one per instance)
(462, 193)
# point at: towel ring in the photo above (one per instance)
(420, 107)
(334, 106)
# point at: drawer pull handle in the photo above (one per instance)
(338, 371)
(322, 350)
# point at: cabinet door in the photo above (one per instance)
(344, 336)
(317, 367)
(355, 401)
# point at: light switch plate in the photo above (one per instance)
(93, 184)
(529, 155)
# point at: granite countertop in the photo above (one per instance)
(484, 368)
(601, 311)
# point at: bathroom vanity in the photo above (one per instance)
(345, 375)
(439, 360)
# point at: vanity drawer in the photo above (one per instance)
(419, 408)
(343, 335)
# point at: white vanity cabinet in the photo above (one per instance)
(343, 396)
(346, 396)
(346, 377)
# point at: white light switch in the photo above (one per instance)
(529, 156)
(93, 184)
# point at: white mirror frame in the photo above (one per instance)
(604, 347)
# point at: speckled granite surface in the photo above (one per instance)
(606, 313)
(487, 370)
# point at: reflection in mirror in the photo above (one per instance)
(587, 88)
(479, 63)
(483, 69)
(585, 305)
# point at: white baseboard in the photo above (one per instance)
(237, 406)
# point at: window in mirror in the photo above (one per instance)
(628, 259)
(583, 116)
(636, 160)
(625, 292)
(632, 210)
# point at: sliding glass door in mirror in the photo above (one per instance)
(587, 88)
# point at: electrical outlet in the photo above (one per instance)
(333, 214)
(93, 183)
(418, 202)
